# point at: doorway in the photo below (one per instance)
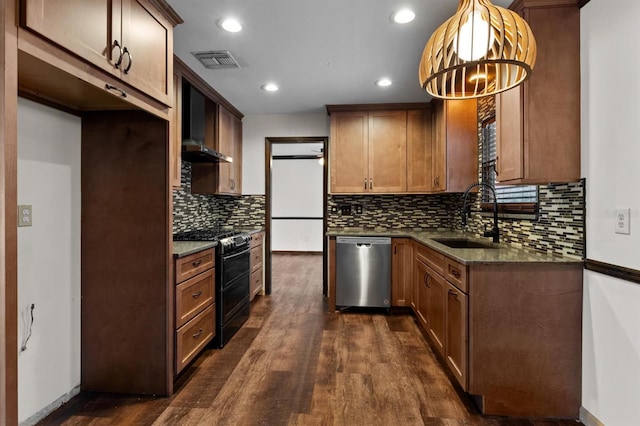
(295, 221)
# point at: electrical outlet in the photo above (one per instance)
(357, 208)
(345, 209)
(25, 217)
(622, 221)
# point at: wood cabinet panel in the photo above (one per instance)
(549, 138)
(256, 263)
(457, 333)
(431, 258)
(349, 154)
(387, 151)
(129, 39)
(193, 295)
(256, 282)
(257, 239)
(401, 272)
(456, 273)
(436, 310)
(256, 257)
(422, 294)
(175, 139)
(419, 151)
(148, 39)
(85, 28)
(192, 265)
(192, 337)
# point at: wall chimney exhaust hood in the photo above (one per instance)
(193, 129)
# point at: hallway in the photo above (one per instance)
(292, 364)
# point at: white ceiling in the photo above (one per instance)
(318, 51)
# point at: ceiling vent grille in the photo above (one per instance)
(217, 59)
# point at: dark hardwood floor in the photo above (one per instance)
(293, 364)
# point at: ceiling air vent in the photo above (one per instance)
(216, 59)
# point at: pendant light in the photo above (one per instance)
(481, 50)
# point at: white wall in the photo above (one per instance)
(297, 191)
(256, 128)
(610, 153)
(48, 256)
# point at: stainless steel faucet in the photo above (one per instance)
(466, 210)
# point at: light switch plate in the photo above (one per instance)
(25, 217)
(622, 221)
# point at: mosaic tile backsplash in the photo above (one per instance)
(196, 211)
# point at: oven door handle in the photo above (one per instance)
(234, 255)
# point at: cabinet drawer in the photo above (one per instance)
(256, 239)
(192, 265)
(256, 258)
(193, 336)
(456, 274)
(432, 258)
(193, 295)
(256, 282)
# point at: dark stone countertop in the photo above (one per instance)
(503, 253)
(185, 248)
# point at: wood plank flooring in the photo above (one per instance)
(293, 364)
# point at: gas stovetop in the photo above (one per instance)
(204, 235)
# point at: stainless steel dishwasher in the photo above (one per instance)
(363, 272)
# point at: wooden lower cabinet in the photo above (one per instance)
(256, 261)
(401, 272)
(502, 327)
(456, 328)
(194, 305)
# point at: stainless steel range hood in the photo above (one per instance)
(193, 129)
(194, 151)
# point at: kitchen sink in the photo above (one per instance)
(464, 243)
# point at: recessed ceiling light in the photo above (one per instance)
(270, 87)
(231, 25)
(383, 82)
(403, 16)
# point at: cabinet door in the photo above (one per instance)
(401, 272)
(236, 176)
(509, 135)
(437, 320)
(83, 27)
(148, 40)
(349, 152)
(388, 151)
(420, 281)
(439, 151)
(419, 151)
(225, 145)
(456, 353)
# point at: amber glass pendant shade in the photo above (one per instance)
(481, 50)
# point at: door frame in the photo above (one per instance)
(268, 142)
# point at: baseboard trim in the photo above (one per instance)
(295, 252)
(589, 419)
(40, 415)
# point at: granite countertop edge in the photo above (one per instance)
(504, 253)
(185, 248)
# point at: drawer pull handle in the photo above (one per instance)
(455, 273)
(453, 293)
(119, 61)
(197, 294)
(196, 335)
(196, 262)
(426, 280)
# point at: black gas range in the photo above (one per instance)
(232, 278)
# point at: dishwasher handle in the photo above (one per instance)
(367, 245)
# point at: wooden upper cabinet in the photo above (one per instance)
(368, 152)
(349, 153)
(175, 134)
(538, 123)
(229, 142)
(387, 151)
(129, 39)
(419, 151)
(455, 145)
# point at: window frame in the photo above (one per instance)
(488, 174)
